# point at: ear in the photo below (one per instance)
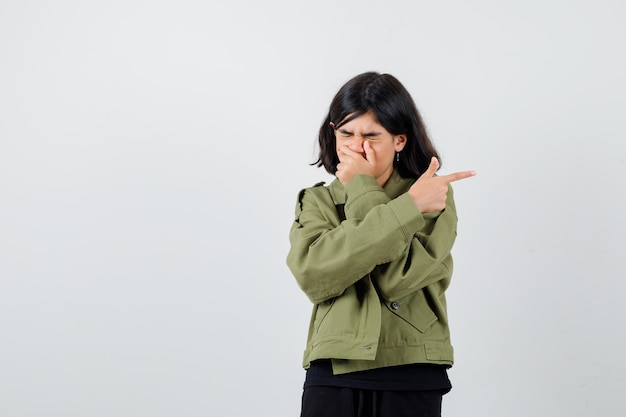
(399, 142)
(332, 125)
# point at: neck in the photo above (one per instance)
(384, 177)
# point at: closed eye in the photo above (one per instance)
(370, 136)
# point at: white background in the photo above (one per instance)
(150, 157)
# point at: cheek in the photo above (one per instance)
(382, 148)
(339, 143)
(386, 153)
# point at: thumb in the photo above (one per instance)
(432, 168)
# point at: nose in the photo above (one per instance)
(356, 144)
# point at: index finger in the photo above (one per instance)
(458, 176)
(347, 151)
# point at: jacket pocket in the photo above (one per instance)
(414, 310)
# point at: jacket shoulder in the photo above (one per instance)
(319, 193)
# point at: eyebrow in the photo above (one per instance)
(347, 132)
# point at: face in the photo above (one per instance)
(383, 144)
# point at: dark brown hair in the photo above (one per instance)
(394, 109)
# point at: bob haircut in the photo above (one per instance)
(394, 109)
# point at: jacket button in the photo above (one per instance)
(395, 305)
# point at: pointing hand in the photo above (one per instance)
(429, 192)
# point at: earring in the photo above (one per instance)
(397, 156)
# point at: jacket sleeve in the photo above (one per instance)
(425, 260)
(327, 256)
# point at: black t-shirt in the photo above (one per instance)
(413, 377)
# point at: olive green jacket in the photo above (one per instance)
(376, 270)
